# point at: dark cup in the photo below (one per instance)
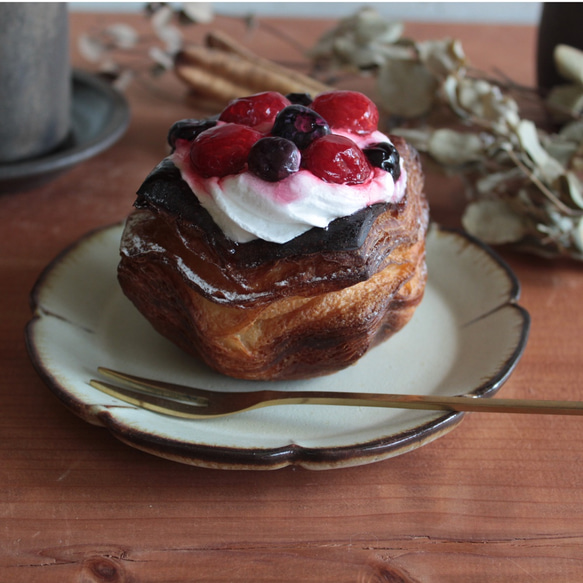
(35, 79)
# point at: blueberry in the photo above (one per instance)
(274, 158)
(300, 98)
(188, 129)
(300, 124)
(385, 156)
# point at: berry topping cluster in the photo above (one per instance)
(273, 136)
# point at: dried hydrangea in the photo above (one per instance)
(523, 183)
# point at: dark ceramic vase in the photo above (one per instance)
(35, 79)
(560, 23)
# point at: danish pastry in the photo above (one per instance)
(281, 240)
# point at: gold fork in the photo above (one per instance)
(193, 403)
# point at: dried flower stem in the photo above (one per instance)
(541, 186)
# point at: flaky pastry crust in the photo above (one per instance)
(265, 311)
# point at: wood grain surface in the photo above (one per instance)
(498, 499)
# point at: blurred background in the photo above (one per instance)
(485, 12)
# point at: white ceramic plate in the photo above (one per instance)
(465, 338)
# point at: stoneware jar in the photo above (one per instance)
(35, 79)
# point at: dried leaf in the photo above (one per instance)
(565, 102)
(197, 12)
(442, 57)
(494, 221)
(569, 63)
(455, 148)
(360, 40)
(123, 36)
(560, 148)
(471, 94)
(172, 38)
(572, 134)
(168, 33)
(548, 167)
(418, 138)
(560, 230)
(347, 52)
(497, 181)
(161, 16)
(123, 80)
(483, 101)
(449, 94)
(528, 137)
(91, 48)
(570, 187)
(406, 88)
(368, 27)
(573, 131)
(162, 58)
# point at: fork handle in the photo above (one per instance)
(429, 402)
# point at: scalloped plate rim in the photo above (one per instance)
(222, 457)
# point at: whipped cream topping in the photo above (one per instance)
(246, 207)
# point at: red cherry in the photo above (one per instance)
(347, 110)
(223, 150)
(337, 159)
(257, 111)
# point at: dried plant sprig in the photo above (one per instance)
(216, 72)
(121, 53)
(523, 182)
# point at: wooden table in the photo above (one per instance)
(498, 499)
